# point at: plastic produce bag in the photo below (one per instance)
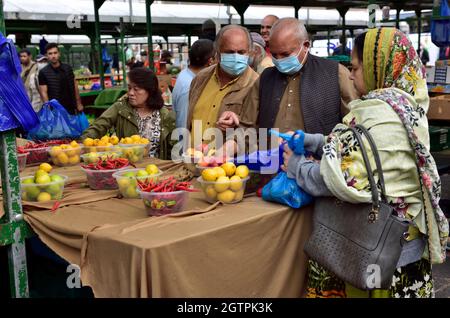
(55, 123)
(82, 122)
(264, 161)
(285, 190)
(15, 107)
(440, 29)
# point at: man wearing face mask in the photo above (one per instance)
(302, 91)
(224, 86)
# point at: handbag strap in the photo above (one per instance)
(376, 156)
(373, 215)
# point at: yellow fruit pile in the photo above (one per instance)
(42, 187)
(66, 155)
(127, 180)
(228, 184)
(102, 144)
(135, 139)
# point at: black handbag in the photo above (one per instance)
(359, 243)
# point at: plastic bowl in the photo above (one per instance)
(22, 160)
(37, 155)
(101, 179)
(225, 192)
(92, 157)
(65, 157)
(99, 148)
(128, 185)
(33, 191)
(134, 153)
(163, 203)
(147, 146)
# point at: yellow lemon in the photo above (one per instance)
(39, 173)
(128, 140)
(74, 160)
(88, 142)
(226, 196)
(152, 169)
(46, 167)
(220, 172)
(239, 195)
(43, 179)
(114, 140)
(209, 174)
(55, 151)
(105, 139)
(123, 183)
(63, 158)
(210, 192)
(222, 184)
(71, 152)
(131, 192)
(235, 183)
(44, 196)
(136, 138)
(242, 171)
(74, 144)
(229, 168)
(144, 141)
(96, 141)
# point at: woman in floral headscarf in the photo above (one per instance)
(391, 78)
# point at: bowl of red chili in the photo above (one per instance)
(100, 175)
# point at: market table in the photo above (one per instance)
(250, 249)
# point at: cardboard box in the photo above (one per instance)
(439, 108)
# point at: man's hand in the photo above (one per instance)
(80, 107)
(286, 155)
(228, 119)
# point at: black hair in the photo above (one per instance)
(146, 79)
(27, 51)
(51, 46)
(201, 51)
(359, 46)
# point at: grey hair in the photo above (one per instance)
(230, 27)
(291, 23)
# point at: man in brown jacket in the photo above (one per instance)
(224, 86)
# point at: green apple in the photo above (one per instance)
(129, 174)
(142, 173)
(43, 179)
(56, 177)
(131, 192)
(53, 189)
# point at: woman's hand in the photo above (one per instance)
(286, 156)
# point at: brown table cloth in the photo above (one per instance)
(250, 249)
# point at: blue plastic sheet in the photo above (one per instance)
(15, 107)
(440, 29)
(57, 123)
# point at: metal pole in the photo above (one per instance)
(148, 14)
(124, 58)
(419, 28)
(328, 41)
(397, 18)
(12, 232)
(97, 5)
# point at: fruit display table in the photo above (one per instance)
(250, 249)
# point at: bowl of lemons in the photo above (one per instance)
(66, 154)
(225, 183)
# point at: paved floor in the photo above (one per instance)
(442, 279)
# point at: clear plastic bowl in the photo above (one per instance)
(225, 192)
(22, 160)
(99, 148)
(37, 155)
(101, 179)
(147, 146)
(92, 157)
(128, 185)
(134, 153)
(65, 157)
(163, 203)
(32, 191)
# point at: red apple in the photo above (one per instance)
(202, 147)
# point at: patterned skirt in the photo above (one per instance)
(411, 281)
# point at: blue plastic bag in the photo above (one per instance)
(264, 161)
(440, 29)
(83, 122)
(15, 107)
(285, 190)
(55, 123)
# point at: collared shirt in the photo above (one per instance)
(207, 107)
(180, 96)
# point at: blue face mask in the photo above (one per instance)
(233, 63)
(289, 65)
